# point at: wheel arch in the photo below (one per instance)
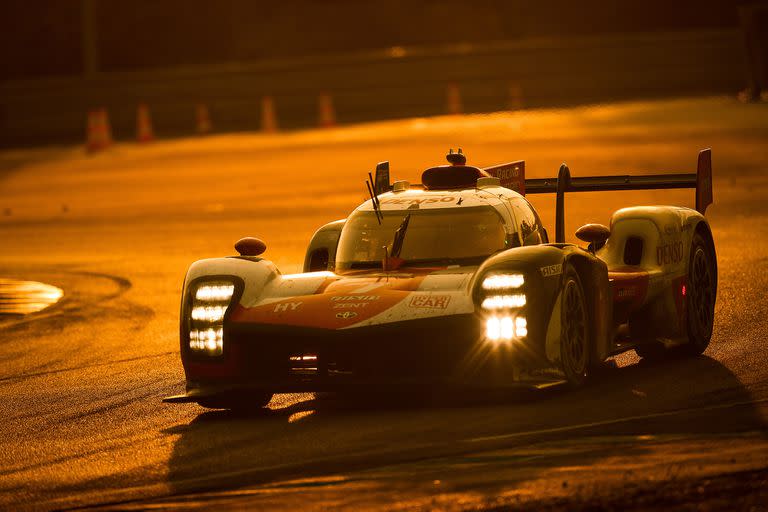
(593, 274)
(702, 228)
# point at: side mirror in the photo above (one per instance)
(594, 234)
(250, 246)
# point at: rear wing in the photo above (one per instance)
(512, 176)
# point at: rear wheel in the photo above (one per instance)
(701, 290)
(575, 350)
(700, 295)
(238, 401)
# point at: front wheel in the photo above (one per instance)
(242, 401)
(575, 350)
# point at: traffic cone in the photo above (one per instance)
(453, 96)
(144, 124)
(268, 118)
(327, 113)
(99, 135)
(202, 119)
(516, 97)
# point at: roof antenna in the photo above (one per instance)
(374, 200)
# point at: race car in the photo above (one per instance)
(453, 283)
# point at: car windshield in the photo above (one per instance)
(436, 236)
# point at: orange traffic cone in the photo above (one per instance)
(453, 96)
(99, 135)
(268, 118)
(327, 113)
(516, 97)
(202, 119)
(143, 124)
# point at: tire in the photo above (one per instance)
(243, 401)
(575, 345)
(700, 295)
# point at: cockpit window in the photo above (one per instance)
(433, 237)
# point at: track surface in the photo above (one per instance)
(81, 382)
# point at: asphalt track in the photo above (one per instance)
(81, 382)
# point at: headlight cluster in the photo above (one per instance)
(503, 281)
(206, 327)
(502, 299)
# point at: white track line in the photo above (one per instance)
(613, 421)
(114, 498)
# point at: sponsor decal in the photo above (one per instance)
(504, 173)
(287, 306)
(669, 254)
(353, 301)
(356, 298)
(416, 200)
(430, 301)
(551, 270)
(345, 315)
(350, 305)
(511, 175)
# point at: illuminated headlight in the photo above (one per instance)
(206, 318)
(521, 327)
(215, 292)
(505, 327)
(209, 313)
(208, 340)
(503, 281)
(504, 301)
(493, 328)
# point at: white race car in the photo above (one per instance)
(453, 282)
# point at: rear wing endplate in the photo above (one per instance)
(512, 175)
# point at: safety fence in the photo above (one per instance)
(392, 83)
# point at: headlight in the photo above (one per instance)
(504, 301)
(211, 340)
(209, 313)
(206, 318)
(503, 281)
(502, 298)
(215, 292)
(521, 327)
(505, 327)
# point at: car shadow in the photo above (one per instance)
(301, 436)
